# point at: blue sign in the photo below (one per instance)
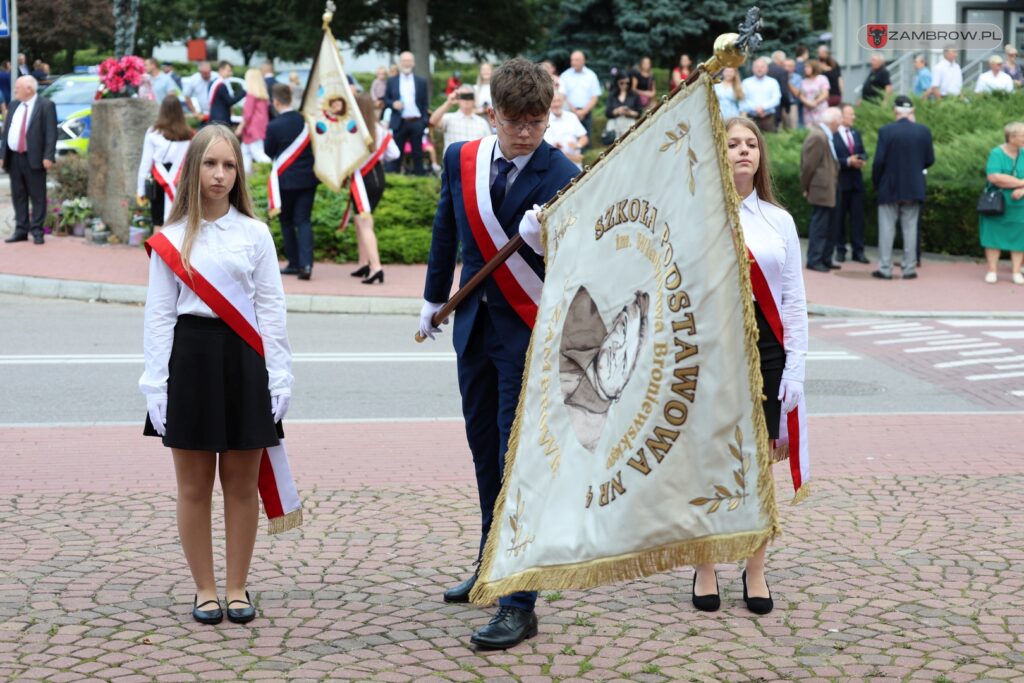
(5, 21)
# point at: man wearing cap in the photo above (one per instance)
(904, 152)
(995, 79)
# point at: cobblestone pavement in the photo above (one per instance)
(905, 565)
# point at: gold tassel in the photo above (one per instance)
(802, 494)
(291, 520)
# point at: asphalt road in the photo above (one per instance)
(68, 362)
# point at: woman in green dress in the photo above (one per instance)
(1006, 232)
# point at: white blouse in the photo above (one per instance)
(770, 234)
(156, 149)
(246, 251)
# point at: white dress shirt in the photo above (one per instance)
(564, 132)
(770, 234)
(407, 91)
(761, 92)
(156, 149)
(989, 82)
(14, 132)
(245, 250)
(579, 86)
(948, 78)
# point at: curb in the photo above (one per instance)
(82, 290)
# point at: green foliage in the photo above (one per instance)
(71, 176)
(403, 220)
(963, 131)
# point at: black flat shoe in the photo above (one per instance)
(207, 616)
(362, 272)
(835, 266)
(306, 273)
(861, 259)
(460, 593)
(757, 605)
(241, 615)
(290, 270)
(376, 277)
(841, 258)
(880, 275)
(706, 603)
(509, 627)
(819, 268)
(17, 237)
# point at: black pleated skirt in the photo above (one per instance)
(374, 181)
(773, 362)
(217, 395)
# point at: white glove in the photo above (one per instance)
(156, 404)
(790, 393)
(279, 406)
(529, 229)
(427, 328)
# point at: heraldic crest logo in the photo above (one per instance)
(637, 433)
(878, 35)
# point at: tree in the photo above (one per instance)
(126, 19)
(164, 21)
(46, 28)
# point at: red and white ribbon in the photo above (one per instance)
(280, 165)
(168, 179)
(228, 300)
(792, 427)
(357, 186)
(520, 285)
(217, 83)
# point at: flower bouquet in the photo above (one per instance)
(120, 77)
(74, 214)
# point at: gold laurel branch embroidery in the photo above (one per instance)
(520, 540)
(722, 493)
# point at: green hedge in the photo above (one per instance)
(402, 222)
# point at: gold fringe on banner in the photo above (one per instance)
(720, 548)
(291, 520)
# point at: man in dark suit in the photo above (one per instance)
(222, 96)
(297, 182)
(493, 324)
(904, 152)
(777, 70)
(406, 96)
(819, 170)
(27, 151)
(850, 153)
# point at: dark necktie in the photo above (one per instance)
(500, 182)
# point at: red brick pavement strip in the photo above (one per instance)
(902, 567)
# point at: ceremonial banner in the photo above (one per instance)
(639, 442)
(340, 138)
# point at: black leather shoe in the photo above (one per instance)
(835, 266)
(840, 257)
(862, 259)
(509, 627)
(706, 603)
(305, 273)
(460, 593)
(818, 268)
(290, 270)
(207, 616)
(757, 605)
(909, 276)
(38, 239)
(362, 272)
(241, 615)
(17, 237)
(880, 275)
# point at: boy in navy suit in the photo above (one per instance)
(223, 98)
(487, 186)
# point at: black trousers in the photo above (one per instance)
(297, 226)
(850, 202)
(411, 131)
(819, 237)
(27, 185)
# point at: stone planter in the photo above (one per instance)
(115, 151)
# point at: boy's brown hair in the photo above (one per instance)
(520, 88)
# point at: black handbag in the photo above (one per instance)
(992, 202)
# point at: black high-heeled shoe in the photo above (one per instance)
(362, 272)
(241, 615)
(706, 603)
(757, 605)
(207, 616)
(376, 277)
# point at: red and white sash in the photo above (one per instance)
(280, 165)
(518, 282)
(358, 188)
(792, 441)
(217, 83)
(168, 178)
(228, 300)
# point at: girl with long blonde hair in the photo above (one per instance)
(215, 401)
(255, 116)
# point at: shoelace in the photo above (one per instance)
(503, 612)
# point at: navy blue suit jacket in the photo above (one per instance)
(392, 92)
(547, 172)
(282, 132)
(849, 178)
(223, 100)
(904, 151)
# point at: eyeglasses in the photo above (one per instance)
(532, 127)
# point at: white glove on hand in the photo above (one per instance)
(156, 404)
(279, 406)
(427, 328)
(529, 229)
(790, 393)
